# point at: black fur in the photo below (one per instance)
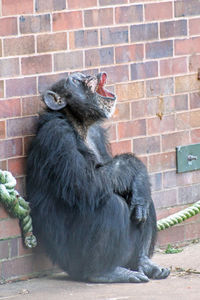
(93, 212)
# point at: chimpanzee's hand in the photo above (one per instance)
(139, 212)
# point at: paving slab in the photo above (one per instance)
(182, 284)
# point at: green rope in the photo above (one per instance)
(179, 217)
(17, 206)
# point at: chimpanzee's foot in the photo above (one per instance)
(152, 270)
(120, 275)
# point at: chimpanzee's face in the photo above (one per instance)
(92, 88)
(85, 96)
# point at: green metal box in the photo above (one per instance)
(188, 158)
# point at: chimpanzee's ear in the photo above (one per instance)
(54, 101)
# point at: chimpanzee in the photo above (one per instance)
(93, 212)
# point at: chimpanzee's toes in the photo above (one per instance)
(152, 270)
(160, 273)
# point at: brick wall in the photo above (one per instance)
(151, 52)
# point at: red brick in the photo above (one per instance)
(116, 74)
(2, 129)
(98, 17)
(156, 181)
(158, 11)
(9, 228)
(99, 57)
(9, 67)
(22, 249)
(161, 162)
(195, 118)
(171, 235)
(173, 28)
(188, 194)
(165, 198)
(77, 4)
(17, 166)
(17, 267)
(4, 249)
(131, 128)
(157, 87)
(34, 24)
(45, 81)
(10, 108)
(195, 136)
(83, 38)
(155, 125)
(192, 231)
(21, 87)
(129, 14)
(19, 7)
(27, 141)
(186, 83)
(194, 63)
(112, 2)
(8, 26)
(144, 108)
(194, 26)
(114, 35)
(187, 8)
(122, 112)
(187, 46)
(129, 53)
(3, 166)
(173, 179)
(36, 64)
(195, 100)
(30, 105)
(144, 70)
(181, 102)
(183, 121)
(159, 49)
(144, 32)
(50, 5)
(67, 20)
(21, 127)
(68, 61)
(146, 145)
(130, 91)
(171, 140)
(1, 88)
(1, 47)
(52, 42)
(3, 212)
(121, 147)
(173, 66)
(20, 187)
(10, 148)
(19, 46)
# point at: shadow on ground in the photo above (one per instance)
(182, 284)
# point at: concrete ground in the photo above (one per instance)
(183, 283)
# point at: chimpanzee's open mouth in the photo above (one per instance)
(101, 81)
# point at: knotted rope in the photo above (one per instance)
(179, 217)
(17, 206)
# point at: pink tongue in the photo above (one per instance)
(102, 82)
(103, 79)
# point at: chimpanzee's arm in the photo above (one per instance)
(61, 151)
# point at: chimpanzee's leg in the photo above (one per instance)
(128, 178)
(144, 238)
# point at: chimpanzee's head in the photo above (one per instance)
(84, 96)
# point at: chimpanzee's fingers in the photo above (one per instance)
(139, 214)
